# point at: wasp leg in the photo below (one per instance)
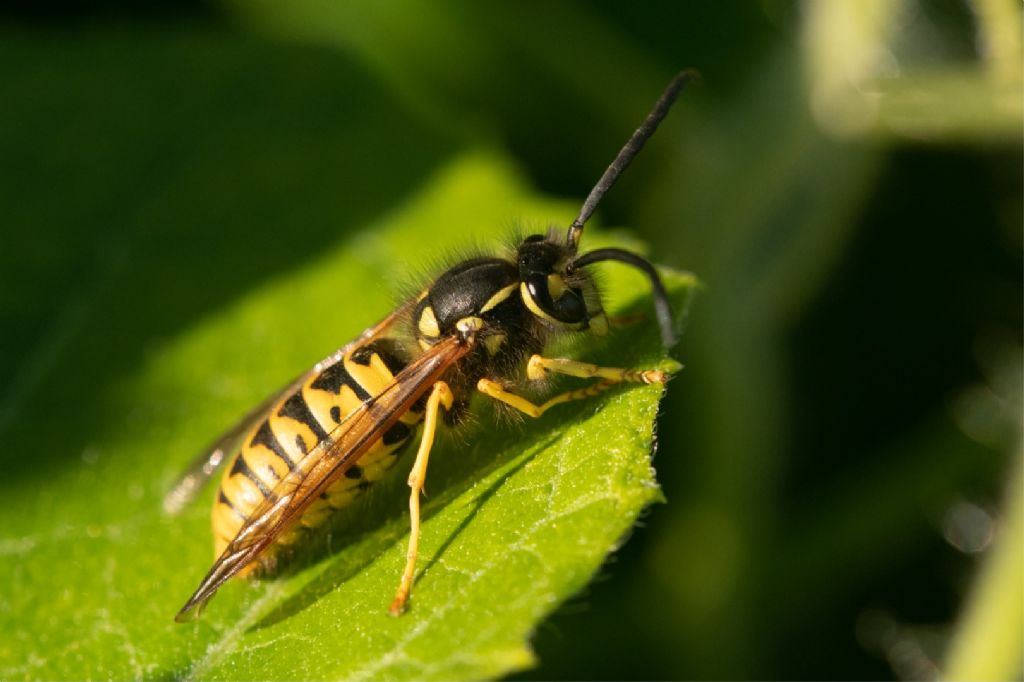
(538, 367)
(493, 389)
(440, 396)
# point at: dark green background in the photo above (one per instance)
(854, 287)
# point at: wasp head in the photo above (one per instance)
(554, 291)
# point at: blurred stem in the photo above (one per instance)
(845, 46)
(987, 643)
(862, 83)
(949, 104)
(999, 38)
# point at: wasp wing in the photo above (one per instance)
(209, 460)
(324, 464)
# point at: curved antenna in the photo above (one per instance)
(628, 153)
(662, 308)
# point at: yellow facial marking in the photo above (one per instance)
(428, 323)
(532, 305)
(599, 324)
(556, 285)
(498, 297)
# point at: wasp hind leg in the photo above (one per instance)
(440, 396)
(538, 367)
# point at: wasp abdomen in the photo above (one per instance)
(311, 417)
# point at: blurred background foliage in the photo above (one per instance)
(841, 456)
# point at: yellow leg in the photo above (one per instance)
(538, 368)
(494, 390)
(440, 396)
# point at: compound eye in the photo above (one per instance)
(568, 308)
(537, 287)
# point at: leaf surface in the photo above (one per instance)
(519, 518)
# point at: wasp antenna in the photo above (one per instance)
(662, 308)
(629, 152)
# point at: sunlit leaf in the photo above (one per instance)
(519, 518)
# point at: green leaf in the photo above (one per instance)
(520, 516)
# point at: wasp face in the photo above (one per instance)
(553, 293)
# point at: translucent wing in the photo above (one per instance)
(321, 467)
(209, 460)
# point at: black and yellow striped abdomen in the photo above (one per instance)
(312, 414)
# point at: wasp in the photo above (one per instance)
(310, 449)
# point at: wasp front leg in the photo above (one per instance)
(538, 368)
(440, 396)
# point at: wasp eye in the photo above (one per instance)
(567, 307)
(545, 290)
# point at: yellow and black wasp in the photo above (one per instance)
(310, 449)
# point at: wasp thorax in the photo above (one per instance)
(476, 289)
(550, 292)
